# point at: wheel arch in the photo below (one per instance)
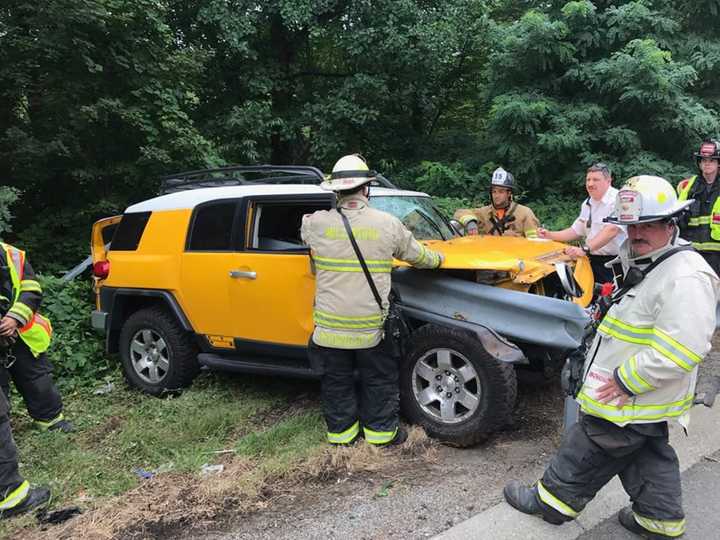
(497, 346)
(125, 302)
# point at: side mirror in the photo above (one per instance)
(457, 227)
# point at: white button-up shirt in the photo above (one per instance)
(590, 221)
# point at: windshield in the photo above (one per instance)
(418, 214)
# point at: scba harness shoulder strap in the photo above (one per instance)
(635, 276)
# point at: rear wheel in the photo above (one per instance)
(454, 388)
(158, 356)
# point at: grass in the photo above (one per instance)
(258, 427)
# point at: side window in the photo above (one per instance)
(212, 227)
(276, 225)
(129, 232)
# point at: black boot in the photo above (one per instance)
(526, 500)
(627, 520)
(35, 497)
(400, 437)
(63, 426)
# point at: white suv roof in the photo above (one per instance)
(192, 197)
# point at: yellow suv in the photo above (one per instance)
(213, 273)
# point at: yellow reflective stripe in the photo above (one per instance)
(352, 265)
(653, 337)
(379, 437)
(552, 501)
(360, 233)
(344, 341)
(699, 220)
(21, 309)
(29, 285)
(46, 424)
(630, 412)
(706, 246)
(632, 379)
(336, 321)
(346, 436)
(426, 258)
(672, 528)
(16, 496)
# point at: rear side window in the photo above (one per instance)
(212, 227)
(129, 231)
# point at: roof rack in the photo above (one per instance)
(238, 175)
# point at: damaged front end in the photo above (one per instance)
(500, 317)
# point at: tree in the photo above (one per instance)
(572, 83)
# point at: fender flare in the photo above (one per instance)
(116, 301)
(495, 345)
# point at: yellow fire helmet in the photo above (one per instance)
(646, 198)
(349, 172)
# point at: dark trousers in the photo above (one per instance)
(601, 274)
(374, 402)
(33, 379)
(595, 450)
(10, 478)
(713, 259)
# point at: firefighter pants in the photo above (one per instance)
(33, 380)
(10, 480)
(372, 404)
(595, 450)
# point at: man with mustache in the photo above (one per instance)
(639, 373)
(602, 239)
(702, 226)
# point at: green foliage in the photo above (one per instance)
(8, 196)
(625, 83)
(555, 213)
(76, 351)
(103, 96)
(123, 430)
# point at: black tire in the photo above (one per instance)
(456, 362)
(174, 354)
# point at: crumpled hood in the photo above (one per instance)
(497, 252)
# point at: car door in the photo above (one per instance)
(274, 286)
(210, 255)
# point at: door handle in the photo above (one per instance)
(237, 274)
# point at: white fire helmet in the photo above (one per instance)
(644, 199)
(349, 172)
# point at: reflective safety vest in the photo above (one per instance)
(712, 221)
(345, 313)
(652, 342)
(37, 331)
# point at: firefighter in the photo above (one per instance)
(16, 495)
(27, 335)
(640, 373)
(348, 331)
(503, 217)
(702, 226)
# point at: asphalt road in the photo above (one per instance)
(701, 500)
(697, 453)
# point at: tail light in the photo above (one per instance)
(101, 269)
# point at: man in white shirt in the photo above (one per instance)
(602, 240)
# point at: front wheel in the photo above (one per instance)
(454, 388)
(158, 356)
